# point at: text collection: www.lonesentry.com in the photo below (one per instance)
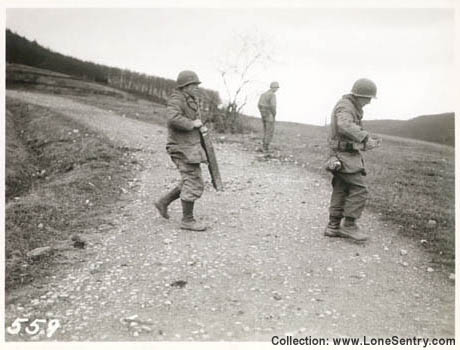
(394, 340)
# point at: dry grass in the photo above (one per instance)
(19, 169)
(60, 181)
(413, 182)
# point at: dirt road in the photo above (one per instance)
(263, 269)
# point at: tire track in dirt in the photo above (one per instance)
(263, 269)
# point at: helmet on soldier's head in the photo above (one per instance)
(274, 85)
(364, 88)
(187, 77)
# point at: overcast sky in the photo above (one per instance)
(318, 53)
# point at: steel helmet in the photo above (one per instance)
(364, 88)
(274, 85)
(187, 77)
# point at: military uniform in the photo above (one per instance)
(184, 144)
(347, 137)
(346, 140)
(267, 108)
(184, 147)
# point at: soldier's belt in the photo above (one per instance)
(346, 146)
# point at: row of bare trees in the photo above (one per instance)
(23, 51)
(141, 83)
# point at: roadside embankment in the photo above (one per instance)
(61, 178)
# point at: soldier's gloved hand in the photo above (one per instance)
(373, 142)
(203, 129)
(197, 123)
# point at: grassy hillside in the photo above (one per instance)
(439, 128)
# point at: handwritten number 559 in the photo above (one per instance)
(34, 327)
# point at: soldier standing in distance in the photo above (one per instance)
(184, 147)
(267, 108)
(346, 140)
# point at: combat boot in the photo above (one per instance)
(188, 221)
(163, 203)
(332, 228)
(351, 230)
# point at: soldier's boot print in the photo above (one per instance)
(163, 203)
(351, 230)
(332, 228)
(188, 221)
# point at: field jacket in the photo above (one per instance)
(347, 135)
(267, 101)
(184, 141)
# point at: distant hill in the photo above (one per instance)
(20, 50)
(438, 128)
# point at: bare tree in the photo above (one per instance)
(246, 59)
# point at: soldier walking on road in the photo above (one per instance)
(184, 147)
(346, 141)
(267, 108)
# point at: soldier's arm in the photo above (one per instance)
(347, 127)
(176, 118)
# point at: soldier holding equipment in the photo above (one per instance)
(346, 141)
(185, 149)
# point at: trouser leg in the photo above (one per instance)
(270, 132)
(192, 187)
(338, 197)
(348, 200)
(354, 206)
(264, 139)
(192, 184)
(357, 195)
(268, 124)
